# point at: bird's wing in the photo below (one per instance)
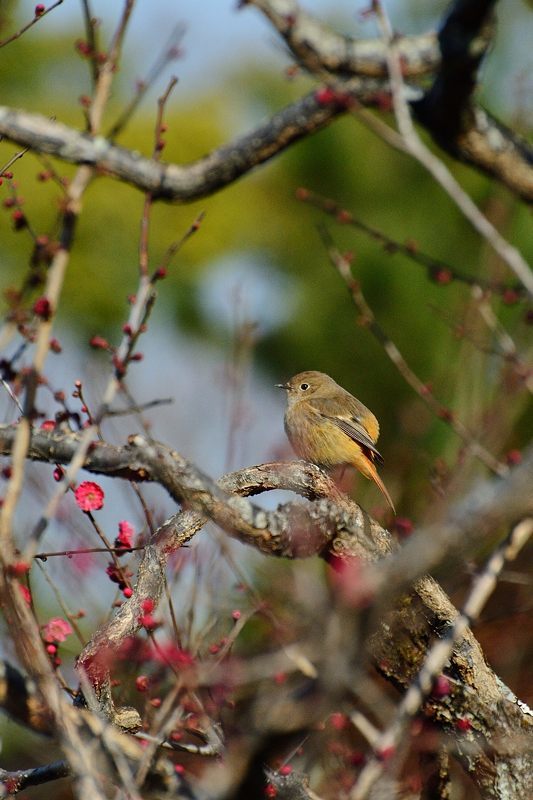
(352, 426)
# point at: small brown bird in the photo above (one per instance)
(327, 426)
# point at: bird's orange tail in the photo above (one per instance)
(377, 480)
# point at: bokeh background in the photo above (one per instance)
(252, 298)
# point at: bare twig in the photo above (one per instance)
(507, 252)
(440, 271)
(343, 267)
(91, 28)
(107, 70)
(175, 246)
(144, 299)
(318, 48)
(12, 160)
(168, 53)
(82, 550)
(148, 200)
(26, 27)
(140, 407)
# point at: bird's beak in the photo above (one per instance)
(282, 386)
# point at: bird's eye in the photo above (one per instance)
(304, 386)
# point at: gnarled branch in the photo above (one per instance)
(333, 526)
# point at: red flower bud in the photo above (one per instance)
(42, 308)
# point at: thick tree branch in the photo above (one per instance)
(485, 144)
(438, 170)
(15, 782)
(318, 48)
(174, 182)
(491, 505)
(460, 126)
(332, 527)
(463, 40)
(496, 747)
(269, 531)
(438, 655)
(449, 112)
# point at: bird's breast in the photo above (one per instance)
(318, 440)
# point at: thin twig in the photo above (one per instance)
(82, 550)
(92, 41)
(11, 394)
(138, 408)
(64, 608)
(507, 252)
(35, 19)
(107, 70)
(178, 244)
(148, 199)
(436, 269)
(55, 278)
(168, 53)
(14, 158)
(343, 267)
(144, 300)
